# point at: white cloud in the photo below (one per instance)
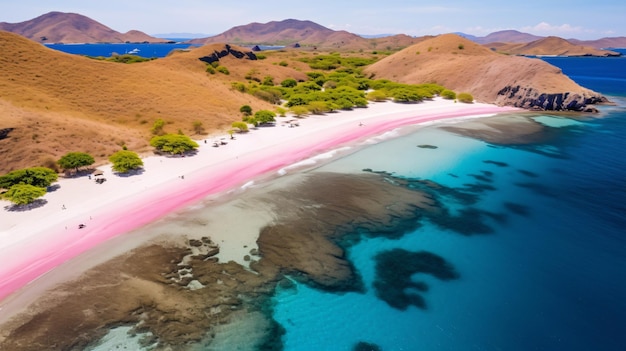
(545, 28)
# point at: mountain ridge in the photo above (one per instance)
(62, 27)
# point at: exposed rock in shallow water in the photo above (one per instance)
(180, 297)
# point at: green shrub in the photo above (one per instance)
(210, 69)
(264, 116)
(173, 143)
(36, 176)
(289, 83)
(222, 69)
(283, 63)
(448, 94)
(239, 86)
(124, 161)
(246, 110)
(242, 126)
(465, 97)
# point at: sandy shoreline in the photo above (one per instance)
(34, 242)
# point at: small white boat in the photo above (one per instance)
(134, 51)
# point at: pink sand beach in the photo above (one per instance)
(36, 241)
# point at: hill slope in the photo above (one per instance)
(464, 66)
(60, 27)
(551, 46)
(306, 33)
(57, 102)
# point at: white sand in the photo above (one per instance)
(26, 237)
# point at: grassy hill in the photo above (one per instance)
(464, 66)
(56, 102)
(61, 27)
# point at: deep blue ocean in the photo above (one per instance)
(109, 49)
(545, 271)
(151, 50)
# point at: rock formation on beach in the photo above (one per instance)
(464, 66)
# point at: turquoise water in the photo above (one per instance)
(540, 259)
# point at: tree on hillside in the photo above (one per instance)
(175, 144)
(246, 110)
(124, 161)
(75, 160)
(22, 194)
(198, 127)
(157, 127)
(36, 176)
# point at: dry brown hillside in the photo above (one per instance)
(56, 102)
(307, 34)
(61, 27)
(550, 46)
(464, 66)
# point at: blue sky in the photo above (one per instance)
(568, 19)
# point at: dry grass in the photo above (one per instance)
(59, 102)
(465, 66)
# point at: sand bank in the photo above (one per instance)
(36, 241)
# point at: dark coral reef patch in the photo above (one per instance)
(395, 269)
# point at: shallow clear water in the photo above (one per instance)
(540, 259)
(549, 275)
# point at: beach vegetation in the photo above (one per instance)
(378, 95)
(263, 117)
(157, 127)
(281, 111)
(465, 97)
(36, 176)
(210, 69)
(241, 126)
(448, 94)
(175, 144)
(125, 161)
(75, 160)
(299, 111)
(198, 127)
(283, 63)
(246, 110)
(319, 107)
(23, 194)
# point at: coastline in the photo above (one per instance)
(50, 235)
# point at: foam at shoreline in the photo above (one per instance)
(36, 241)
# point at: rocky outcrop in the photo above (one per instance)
(530, 98)
(228, 50)
(506, 80)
